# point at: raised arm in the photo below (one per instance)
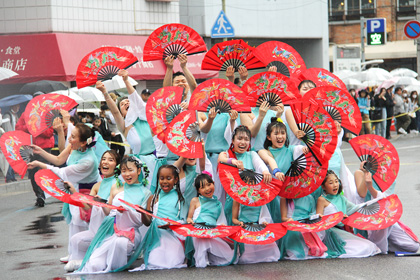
(119, 120)
(205, 124)
(183, 59)
(169, 62)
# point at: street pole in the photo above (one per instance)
(418, 40)
(224, 10)
(362, 39)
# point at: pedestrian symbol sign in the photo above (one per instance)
(222, 27)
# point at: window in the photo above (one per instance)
(406, 7)
(340, 10)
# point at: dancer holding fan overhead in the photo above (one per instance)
(130, 116)
(81, 171)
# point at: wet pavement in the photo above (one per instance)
(33, 239)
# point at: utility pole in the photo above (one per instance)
(418, 40)
(224, 10)
(362, 39)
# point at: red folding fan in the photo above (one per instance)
(183, 136)
(162, 107)
(172, 39)
(219, 93)
(234, 53)
(287, 60)
(15, 146)
(381, 158)
(42, 110)
(315, 224)
(259, 234)
(320, 129)
(54, 186)
(103, 64)
(322, 77)
(94, 201)
(205, 231)
(340, 105)
(246, 186)
(272, 87)
(304, 177)
(144, 211)
(377, 215)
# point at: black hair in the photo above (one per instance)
(397, 89)
(84, 132)
(330, 172)
(272, 126)
(119, 102)
(237, 81)
(306, 82)
(176, 74)
(175, 173)
(241, 128)
(139, 164)
(201, 180)
(104, 107)
(363, 90)
(114, 154)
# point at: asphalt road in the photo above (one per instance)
(33, 239)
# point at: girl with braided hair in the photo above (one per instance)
(161, 247)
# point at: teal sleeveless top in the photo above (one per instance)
(78, 156)
(215, 142)
(261, 136)
(249, 214)
(210, 210)
(105, 187)
(146, 138)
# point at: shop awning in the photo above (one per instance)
(56, 56)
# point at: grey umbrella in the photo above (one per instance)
(44, 86)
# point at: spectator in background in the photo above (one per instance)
(352, 92)
(389, 96)
(364, 104)
(145, 94)
(12, 117)
(400, 108)
(413, 104)
(380, 113)
(101, 125)
(46, 141)
(115, 133)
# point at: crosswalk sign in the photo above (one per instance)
(222, 28)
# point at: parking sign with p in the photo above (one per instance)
(376, 28)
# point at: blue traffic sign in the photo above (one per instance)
(376, 31)
(222, 28)
(412, 29)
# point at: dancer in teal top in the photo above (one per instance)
(239, 155)
(161, 247)
(340, 243)
(115, 245)
(206, 209)
(80, 242)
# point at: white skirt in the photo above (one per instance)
(260, 253)
(393, 239)
(214, 251)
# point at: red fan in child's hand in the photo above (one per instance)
(322, 77)
(103, 64)
(381, 158)
(376, 215)
(234, 53)
(162, 107)
(94, 201)
(205, 231)
(183, 136)
(54, 186)
(340, 105)
(272, 87)
(221, 94)
(15, 146)
(320, 129)
(315, 224)
(247, 187)
(259, 234)
(287, 60)
(304, 176)
(42, 110)
(144, 211)
(172, 39)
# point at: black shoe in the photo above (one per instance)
(40, 202)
